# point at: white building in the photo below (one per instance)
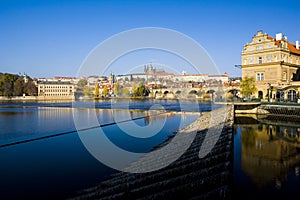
(56, 89)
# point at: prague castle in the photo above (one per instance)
(273, 62)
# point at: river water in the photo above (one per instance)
(266, 157)
(41, 154)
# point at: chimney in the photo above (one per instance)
(297, 44)
(278, 36)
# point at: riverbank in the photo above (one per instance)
(187, 177)
(284, 110)
(35, 98)
(291, 110)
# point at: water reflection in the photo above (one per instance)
(23, 122)
(269, 154)
(59, 166)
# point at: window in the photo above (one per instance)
(250, 60)
(260, 76)
(260, 47)
(269, 58)
(260, 60)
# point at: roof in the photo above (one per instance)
(291, 46)
(55, 82)
(191, 74)
(218, 75)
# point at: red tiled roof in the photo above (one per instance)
(270, 38)
(218, 75)
(292, 47)
(277, 42)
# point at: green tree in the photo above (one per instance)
(105, 91)
(248, 86)
(96, 90)
(12, 84)
(88, 91)
(18, 87)
(139, 90)
(82, 82)
(30, 88)
(125, 92)
(7, 84)
(117, 89)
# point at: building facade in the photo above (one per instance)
(272, 62)
(56, 89)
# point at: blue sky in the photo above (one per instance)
(52, 38)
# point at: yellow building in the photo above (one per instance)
(273, 62)
(56, 89)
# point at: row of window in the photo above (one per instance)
(269, 58)
(55, 94)
(55, 90)
(260, 76)
(56, 86)
(260, 59)
(260, 47)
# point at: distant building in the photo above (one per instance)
(60, 78)
(273, 63)
(200, 78)
(56, 89)
(112, 78)
(223, 78)
(190, 78)
(149, 69)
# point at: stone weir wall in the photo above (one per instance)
(288, 111)
(189, 177)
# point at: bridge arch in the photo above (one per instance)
(178, 92)
(193, 92)
(210, 91)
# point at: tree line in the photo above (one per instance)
(16, 85)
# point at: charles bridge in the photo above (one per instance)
(187, 92)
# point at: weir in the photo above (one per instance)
(187, 177)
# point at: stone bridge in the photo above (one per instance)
(204, 92)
